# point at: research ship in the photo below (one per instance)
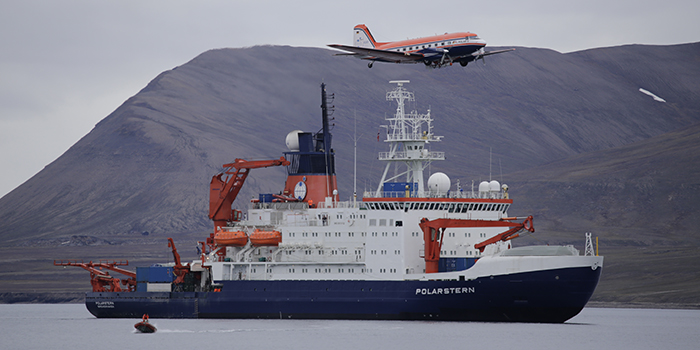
(409, 250)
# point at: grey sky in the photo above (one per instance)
(65, 65)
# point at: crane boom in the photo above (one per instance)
(101, 281)
(222, 192)
(433, 233)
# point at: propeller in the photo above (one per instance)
(480, 55)
(445, 54)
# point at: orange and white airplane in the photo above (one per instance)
(434, 51)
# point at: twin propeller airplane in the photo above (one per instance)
(435, 51)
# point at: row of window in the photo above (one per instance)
(384, 234)
(321, 252)
(330, 270)
(327, 234)
(320, 270)
(340, 216)
(445, 43)
(451, 207)
(384, 252)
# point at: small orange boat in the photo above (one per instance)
(265, 238)
(235, 238)
(144, 326)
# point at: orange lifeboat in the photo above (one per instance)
(269, 238)
(235, 238)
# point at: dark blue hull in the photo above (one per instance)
(542, 296)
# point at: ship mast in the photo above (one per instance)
(408, 136)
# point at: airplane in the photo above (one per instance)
(434, 51)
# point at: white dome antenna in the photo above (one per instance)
(292, 140)
(439, 183)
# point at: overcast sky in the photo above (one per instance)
(65, 65)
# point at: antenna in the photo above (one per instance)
(354, 181)
(501, 166)
(326, 135)
(490, 164)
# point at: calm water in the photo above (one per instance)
(70, 326)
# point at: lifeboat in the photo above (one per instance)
(265, 238)
(235, 238)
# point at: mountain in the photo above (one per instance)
(570, 133)
(641, 200)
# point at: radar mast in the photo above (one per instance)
(408, 136)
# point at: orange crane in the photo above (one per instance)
(101, 280)
(434, 231)
(222, 192)
(179, 269)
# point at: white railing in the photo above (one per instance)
(403, 155)
(427, 194)
(412, 137)
(279, 205)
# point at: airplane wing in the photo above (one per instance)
(495, 52)
(379, 55)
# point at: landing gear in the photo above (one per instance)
(369, 65)
(463, 63)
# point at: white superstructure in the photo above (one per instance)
(380, 238)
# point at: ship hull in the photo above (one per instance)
(550, 296)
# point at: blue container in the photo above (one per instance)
(398, 189)
(142, 274)
(141, 287)
(455, 264)
(265, 197)
(160, 274)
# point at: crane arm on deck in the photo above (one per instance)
(101, 281)
(223, 191)
(179, 269)
(433, 233)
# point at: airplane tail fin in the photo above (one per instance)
(362, 37)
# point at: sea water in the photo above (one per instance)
(71, 326)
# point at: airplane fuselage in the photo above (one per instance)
(456, 45)
(435, 51)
